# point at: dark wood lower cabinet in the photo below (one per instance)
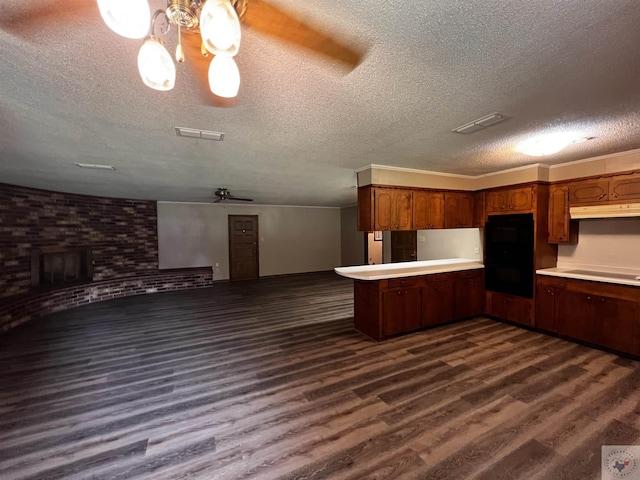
(386, 308)
(600, 314)
(438, 300)
(509, 307)
(469, 294)
(401, 310)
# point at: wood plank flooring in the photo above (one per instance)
(267, 379)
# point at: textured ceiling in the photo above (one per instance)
(70, 92)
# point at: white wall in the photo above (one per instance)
(443, 243)
(450, 243)
(604, 242)
(292, 239)
(352, 241)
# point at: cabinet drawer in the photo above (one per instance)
(471, 274)
(440, 277)
(403, 282)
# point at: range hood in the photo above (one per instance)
(606, 211)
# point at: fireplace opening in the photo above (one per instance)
(61, 267)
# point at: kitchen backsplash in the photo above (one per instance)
(605, 242)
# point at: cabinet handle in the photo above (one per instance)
(511, 207)
(589, 299)
(603, 300)
(550, 292)
(602, 196)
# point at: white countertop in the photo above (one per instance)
(408, 269)
(595, 273)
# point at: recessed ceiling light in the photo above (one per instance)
(549, 144)
(195, 133)
(95, 166)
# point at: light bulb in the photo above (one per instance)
(220, 28)
(224, 77)
(129, 18)
(156, 66)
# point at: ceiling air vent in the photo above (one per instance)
(95, 166)
(481, 123)
(204, 134)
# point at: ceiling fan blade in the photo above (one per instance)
(35, 17)
(231, 197)
(265, 18)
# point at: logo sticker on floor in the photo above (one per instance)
(621, 461)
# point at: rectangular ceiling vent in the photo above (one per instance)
(204, 134)
(95, 166)
(481, 123)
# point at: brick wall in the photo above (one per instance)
(22, 308)
(122, 235)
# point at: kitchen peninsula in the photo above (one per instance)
(396, 298)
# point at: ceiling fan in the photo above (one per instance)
(211, 28)
(225, 194)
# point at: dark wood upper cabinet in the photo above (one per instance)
(588, 192)
(624, 188)
(428, 210)
(393, 209)
(510, 200)
(478, 209)
(561, 229)
(458, 210)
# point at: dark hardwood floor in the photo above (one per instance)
(267, 379)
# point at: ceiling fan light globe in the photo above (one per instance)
(224, 77)
(220, 28)
(129, 18)
(156, 66)
(547, 144)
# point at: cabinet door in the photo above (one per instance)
(466, 210)
(402, 215)
(546, 307)
(437, 304)
(383, 208)
(576, 315)
(509, 307)
(469, 294)
(401, 310)
(615, 324)
(559, 220)
(428, 210)
(436, 209)
(624, 188)
(519, 199)
(478, 209)
(458, 210)
(421, 210)
(496, 201)
(588, 192)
